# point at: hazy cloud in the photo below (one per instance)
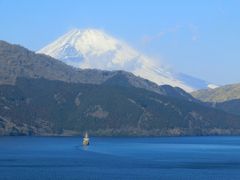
(149, 38)
(194, 32)
(191, 28)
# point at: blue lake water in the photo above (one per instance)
(119, 158)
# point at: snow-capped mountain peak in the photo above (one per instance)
(92, 48)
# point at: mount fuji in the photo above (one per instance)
(95, 49)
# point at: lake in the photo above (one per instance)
(119, 158)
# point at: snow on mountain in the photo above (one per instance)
(91, 48)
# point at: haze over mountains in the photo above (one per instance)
(92, 48)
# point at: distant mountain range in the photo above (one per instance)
(92, 48)
(40, 95)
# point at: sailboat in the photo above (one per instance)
(86, 139)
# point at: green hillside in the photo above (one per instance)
(44, 107)
(224, 93)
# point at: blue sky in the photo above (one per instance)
(200, 38)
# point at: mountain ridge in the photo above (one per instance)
(29, 108)
(17, 61)
(40, 95)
